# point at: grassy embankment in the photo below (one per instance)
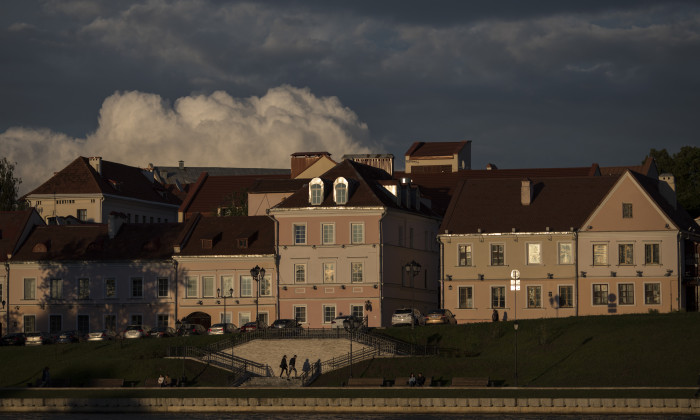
(607, 351)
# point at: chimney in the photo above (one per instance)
(181, 164)
(114, 223)
(667, 188)
(525, 192)
(96, 163)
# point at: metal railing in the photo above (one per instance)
(238, 365)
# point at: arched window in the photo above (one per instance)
(340, 191)
(316, 192)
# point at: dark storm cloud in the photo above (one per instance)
(532, 84)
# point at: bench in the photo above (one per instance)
(471, 382)
(151, 383)
(366, 382)
(105, 383)
(401, 381)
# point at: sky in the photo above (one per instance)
(248, 83)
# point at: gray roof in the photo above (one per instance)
(190, 174)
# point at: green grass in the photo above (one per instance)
(654, 350)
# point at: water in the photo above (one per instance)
(290, 416)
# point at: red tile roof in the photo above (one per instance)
(12, 224)
(648, 168)
(493, 205)
(435, 149)
(79, 177)
(678, 215)
(224, 232)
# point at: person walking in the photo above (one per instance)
(45, 377)
(494, 316)
(292, 367)
(283, 366)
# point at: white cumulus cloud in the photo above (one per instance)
(137, 128)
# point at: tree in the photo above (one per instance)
(9, 185)
(685, 167)
(238, 204)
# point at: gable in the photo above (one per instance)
(318, 168)
(645, 213)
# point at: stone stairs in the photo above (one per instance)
(272, 382)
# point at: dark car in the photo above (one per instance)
(14, 339)
(191, 329)
(253, 326)
(222, 328)
(286, 324)
(162, 332)
(38, 338)
(67, 337)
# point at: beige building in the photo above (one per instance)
(438, 157)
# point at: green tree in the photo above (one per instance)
(238, 204)
(685, 167)
(9, 185)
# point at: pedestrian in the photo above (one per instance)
(494, 316)
(167, 381)
(292, 367)
(306, 368)
(412, 380)
(420, 379)
(45, 377)
(161, 380)
(283, 366)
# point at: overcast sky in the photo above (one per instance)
(245, 84)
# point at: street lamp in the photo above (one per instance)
(257, 273)
(230, 294)
(178, 324)
(413, 268)
(515, 326)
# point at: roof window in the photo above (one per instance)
(316, 191)
(340, 190)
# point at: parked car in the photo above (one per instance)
(101, 335)
(253, 326)
(135, 331)
(191, 329)
(67, 337)
(286, 324)
(347, 322)
(38, 338)
(407, 316)
(440, 316)
(222, 328)
(14, 339)
(162, 332)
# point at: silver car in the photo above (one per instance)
(407, 316)
(222, 328)
(135, 331)
(38, 338)
(101, 335)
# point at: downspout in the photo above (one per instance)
(381, 268)
(442, 274)
(177, 289)
(276, 256)
(576, 272)
(7, 299)
(679, 277)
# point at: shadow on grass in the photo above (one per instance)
(560, 361)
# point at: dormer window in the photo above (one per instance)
(340, 191)
(316, 192)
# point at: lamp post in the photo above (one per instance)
(515, 287)
(257, 273)
(515, 326)
(178, 324)
(230, 294)
(413, 268)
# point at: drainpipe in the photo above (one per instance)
(7, 299)
(442, 274)
(276, 256)
(679, 276)
(177, 289)
(380, 277)
(576, 272)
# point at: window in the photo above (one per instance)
(300, 314)
(110, 288)
(163, 284)
(626, 210)
(82, 215)
(651, 254)
(600, 254)
(265, 288)
(626, 293)
(652, 293)
(110, 322)
(534, 296)
(162, 320)
(264, 317)
(29, 323)
(534, 253)
(56, 289)
(84, 324)
(497, 254)
(55, 324)
(328, 313)
(328, 233)
(357, 233)
(29, 289)
(136, 319)
(329, 272)
(137, 287)
(226, 317)
(465, 255)
(208, 286)
(341, 191)
(243, 318)
(566, 296)
(356, 269)
(83, 288)
(600, 294)
(357, 310)
(227, 286)
(299, 234)
(316, 192)
(300, 273)
(246, 286)
(498, 297)
(191, 286)
(625, 254)
(566, 253)
(466, 297)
